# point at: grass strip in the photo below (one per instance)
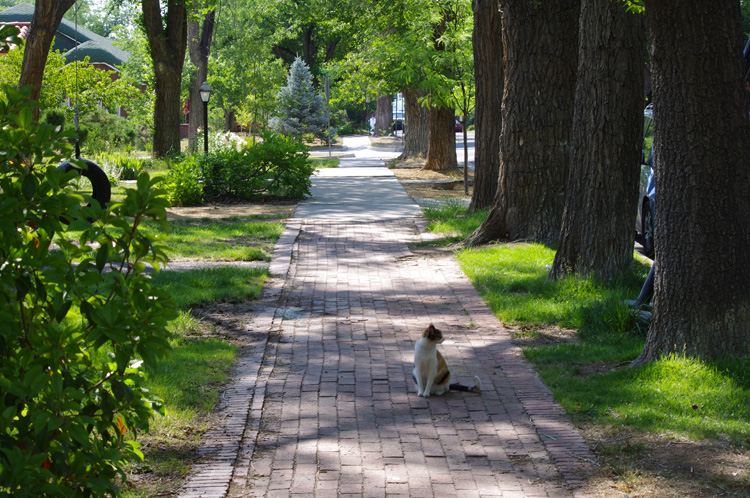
(324, 162)
(237, 239)
(189, 378)
(205, 285)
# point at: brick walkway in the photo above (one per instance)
(328, 407)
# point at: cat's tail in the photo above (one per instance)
(474, 389)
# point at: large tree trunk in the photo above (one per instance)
(384, 116)
(602, 190)
(702, 146)
(167, 45)
(417, 126)
(229, 119)
(488, 73)
(540, 40)
(199, 48)
(44, 23)
(441, 150)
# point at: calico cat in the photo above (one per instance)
(430, 370)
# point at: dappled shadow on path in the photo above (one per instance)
(340, 412)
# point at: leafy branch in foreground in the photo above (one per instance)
(73, 337)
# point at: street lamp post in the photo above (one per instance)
(205, 93)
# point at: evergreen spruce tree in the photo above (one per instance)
(300, 109)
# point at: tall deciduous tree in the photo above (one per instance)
(541, 45)
(441, 78)
(46, 19)
(702, 146)
(488, 71)
(200, 34)
(384, 115)
(417, 133)
(601, 194)
(167, 38)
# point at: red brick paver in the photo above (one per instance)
(333, 410)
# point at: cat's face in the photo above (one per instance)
(433, 334)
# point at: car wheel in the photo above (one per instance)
(101, 190)
(647, 229)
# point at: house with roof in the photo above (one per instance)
(74, 42)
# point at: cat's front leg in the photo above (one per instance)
(416, 382)
(428, 388)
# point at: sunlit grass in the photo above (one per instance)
(234, 239)
(225, 284)
(451, 220)
(590, 376)
(222, 240)
(324, 162)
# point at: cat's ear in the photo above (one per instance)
(429, 332)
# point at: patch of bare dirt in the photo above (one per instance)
(387, 142)
(420, 183)
(662, 466)
(280, 209)
(541, 336)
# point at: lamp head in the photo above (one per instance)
(205, 92)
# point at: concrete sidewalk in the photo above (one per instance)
(325, 404)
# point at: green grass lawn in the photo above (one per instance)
(236, 239)
(675, 397)
(324, 162)
(189, 378)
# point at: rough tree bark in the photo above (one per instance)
(417, 132)
(441, 149)
(602, 190)
(384, 115)
(167, 40)
(702, 146)
(199, 49)
(44, 23)
(540, 41)
(488, 72)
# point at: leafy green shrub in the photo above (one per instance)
(125, 166)
(276, 166)
(55, 117)
(72, 337)
(104, 131)
(182, 185)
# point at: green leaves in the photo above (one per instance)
(73, 338)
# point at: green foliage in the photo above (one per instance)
(300, 109)
(8, 36)
(73, 338)
(123, 166)
(181, 183)
(107, 131)
(275, 166)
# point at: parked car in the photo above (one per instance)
(459, 126)
(644, 225)
(398, 121)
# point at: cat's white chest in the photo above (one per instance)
(425, 356)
